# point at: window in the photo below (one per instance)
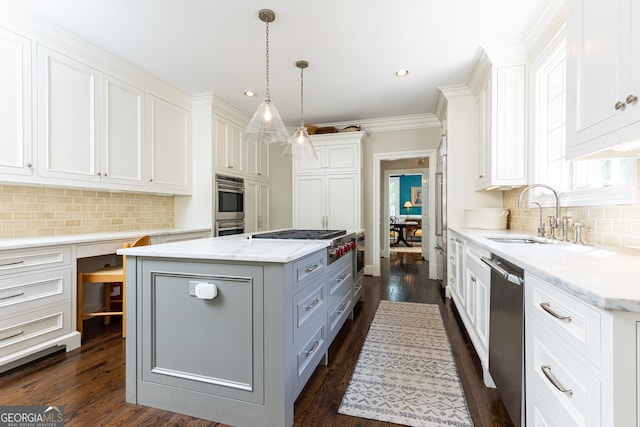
(580, 182)
(394, 188)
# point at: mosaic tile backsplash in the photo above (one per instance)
(44, 211)
(615, 226)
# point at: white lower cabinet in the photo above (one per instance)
(36, 303)
(470, 280)
(581, 363)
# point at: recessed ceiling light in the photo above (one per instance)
(249, 93)
(402, 72)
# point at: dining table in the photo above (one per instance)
(399, 227)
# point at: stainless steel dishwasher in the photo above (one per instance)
(506, 334)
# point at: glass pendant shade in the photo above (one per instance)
(299, 145)
(266, 126)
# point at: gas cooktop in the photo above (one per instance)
(301, 234)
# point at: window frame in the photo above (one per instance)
(609, 195)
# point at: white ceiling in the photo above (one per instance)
(353, 47)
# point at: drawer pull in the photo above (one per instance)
(341, 309)
(12, 263)
(12, 336)
(546, 370)
(310, 269)
(546, 307)
(344, 276)
(13, 296)
(313, 304)
(313, 349)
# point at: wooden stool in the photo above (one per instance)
(107, 275)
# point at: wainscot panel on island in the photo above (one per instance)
(227, 329)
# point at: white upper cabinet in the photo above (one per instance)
(15, 104)
(123, 148)
(68, 130)
(337, 153)
(228, 145)
(257, 160)
(90, 125)
(498, 84)
(603, 65)
(170, 145)
(76, 116)
(327, 193)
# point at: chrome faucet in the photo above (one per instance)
(541, 230)
(554, 222)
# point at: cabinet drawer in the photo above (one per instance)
(574, 321)
(338, 313)
(308, 268)
(563, 365)
(340, 283)
(310, 304)
(29, 329)
(27, 260)
(34, 290)
(358, 289)
(309, 355)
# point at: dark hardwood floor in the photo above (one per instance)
(89, 382)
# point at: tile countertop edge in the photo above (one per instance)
(231, 248)
(82, 238)
(612, 286)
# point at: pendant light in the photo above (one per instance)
(266, 126)
(299, 145)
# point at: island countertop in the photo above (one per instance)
(231, 248)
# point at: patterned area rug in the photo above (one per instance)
(406, 373)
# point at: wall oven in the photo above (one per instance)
(229, 198)
(228, 227)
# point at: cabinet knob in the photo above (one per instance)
(620, 106)
(98, 173)
(632, 99)
(28, 165)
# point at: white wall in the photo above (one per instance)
(281, 189)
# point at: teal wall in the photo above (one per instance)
(406, 182)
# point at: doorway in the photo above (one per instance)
(402, 196)
(380, 218)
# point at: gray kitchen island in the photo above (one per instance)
(230, 329)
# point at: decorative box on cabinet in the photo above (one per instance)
(36, 309)
(602, 85)
(15, 104)
(498, 84)
(327, 193)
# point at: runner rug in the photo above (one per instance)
(406, 373)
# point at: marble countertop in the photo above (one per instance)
(604, 277)
(240, 247)
(74, 239)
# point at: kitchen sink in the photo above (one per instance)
(526, 240)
